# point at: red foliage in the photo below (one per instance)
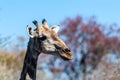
(56, 70)
(90, 40)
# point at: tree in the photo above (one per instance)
(4, 42)
(90, 40)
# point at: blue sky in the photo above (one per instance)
(16, 14)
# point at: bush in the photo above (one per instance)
(12, 60)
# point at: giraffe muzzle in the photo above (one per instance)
(65, 54)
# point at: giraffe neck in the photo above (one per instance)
(30, 61)
(34, 47)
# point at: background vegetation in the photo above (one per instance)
(95, 46)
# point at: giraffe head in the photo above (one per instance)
(49, 41)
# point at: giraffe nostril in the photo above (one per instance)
(67, 50)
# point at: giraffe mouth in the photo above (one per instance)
(65, 54)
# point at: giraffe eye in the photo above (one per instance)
(43, 38)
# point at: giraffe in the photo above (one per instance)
(43, 39)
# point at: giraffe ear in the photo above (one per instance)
(55, 28)
(31, 32)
